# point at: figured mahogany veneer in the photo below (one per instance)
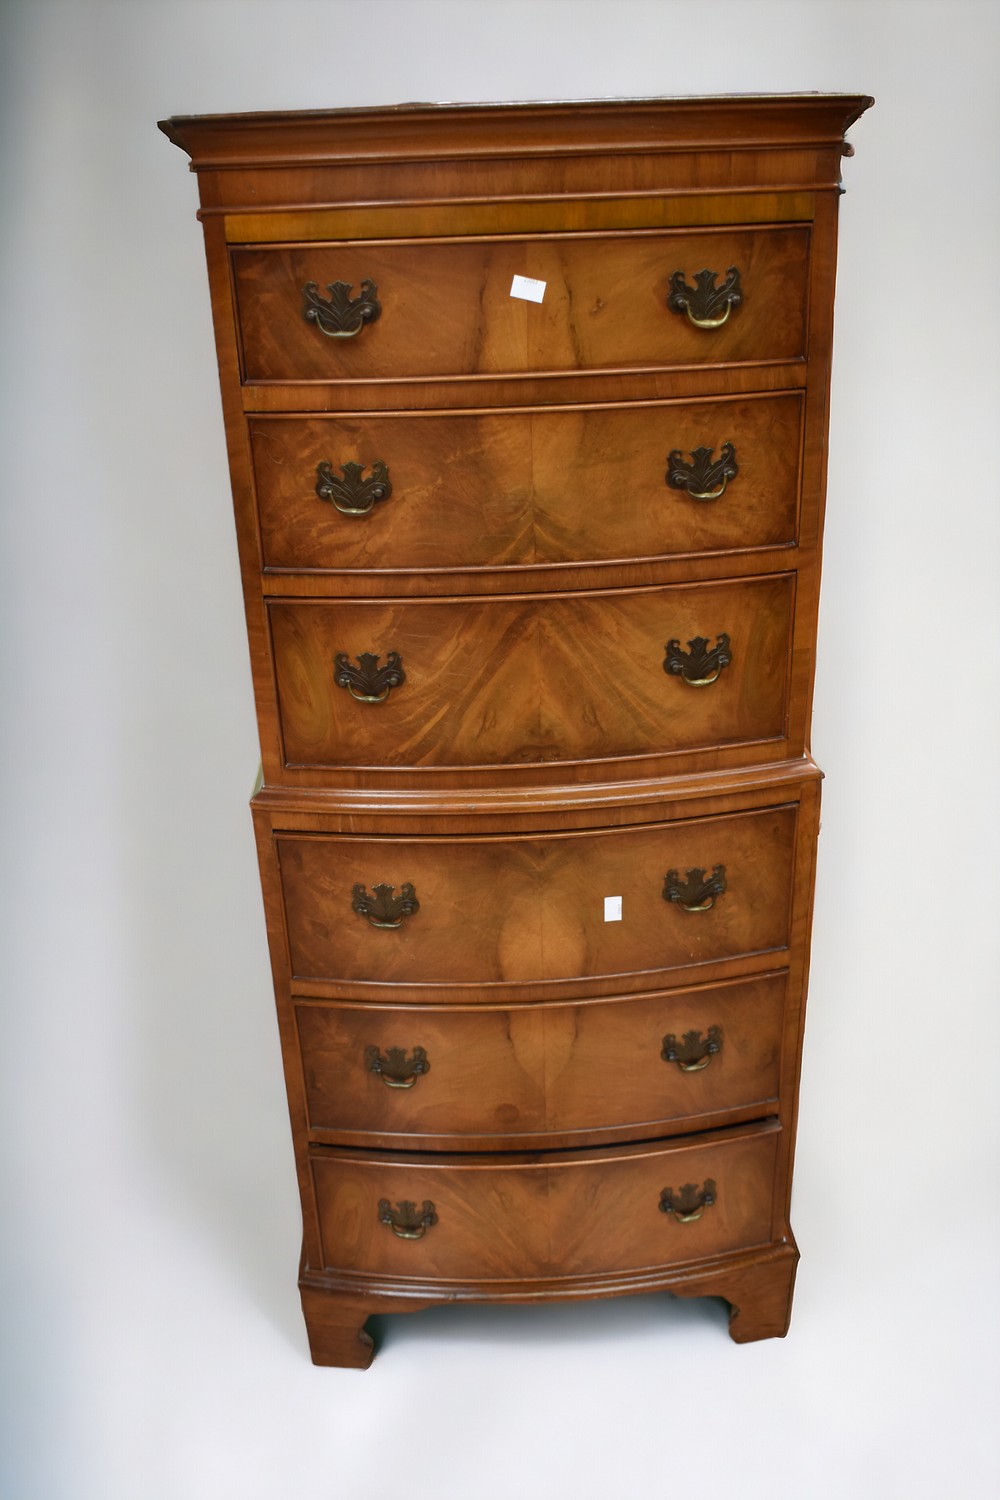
(527, 911)
(531, 591)
(527, 488)
(558, 678)
(447, 309)
(530, 1076)
(509, 1217)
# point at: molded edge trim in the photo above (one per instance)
(413, 132)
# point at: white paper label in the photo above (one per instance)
(612, 908)
(527, 288)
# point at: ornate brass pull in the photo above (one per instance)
(702, 478)
(353, 495)
(406, 1221)
(368, 682)
(396, 1070)
(695, 892)
(706, 305)
(698, 666)
(688, 1203)
(383, 907)
(341, 316)
(693, 1053)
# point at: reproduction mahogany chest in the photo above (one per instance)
(527, 416)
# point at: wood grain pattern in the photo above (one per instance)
(516, 489)
(758, 1284)
(544, 388)
(530, 567)
(336, 1328)
(506, 1216)
(410, 134)
(405, 221)
(758, 1288)
(508, 1078)
(512, 911)
(437, 808)
(447, 308)
(566, 185)
(514, 681)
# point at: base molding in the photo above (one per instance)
(759, 1292)
(758, 1286)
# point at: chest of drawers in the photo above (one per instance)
(526, 410)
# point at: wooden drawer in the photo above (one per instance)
(505, 1076)
(532, 679)
(496, 911)
(447, 310)
(517, 489)
(560, 1214)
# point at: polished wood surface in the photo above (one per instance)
(517, 489)
(506, 1217)
(558, 678)
(529, 568)
(501, 911)
(447, 308)
(540, 214)
(542, 1073)
(757, 1284)
(610, 130)
(555, 388)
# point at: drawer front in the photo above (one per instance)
(446, 309)
(562, 1214)
(534, 679)
(481, 489)
(525, 910)
(427, 1071)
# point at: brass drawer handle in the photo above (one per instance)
(394, 1067)
(353, 495)
(341, 316)
(383, 907)
(703, 478)
(693, 1052)
(368, 682)
(406, 1221)
(706, 305)
(695, 892)
(698, 666)
(689, 1203)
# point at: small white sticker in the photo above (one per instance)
(612, 908)
(527, 288)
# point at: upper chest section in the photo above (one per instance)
(529, 254)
